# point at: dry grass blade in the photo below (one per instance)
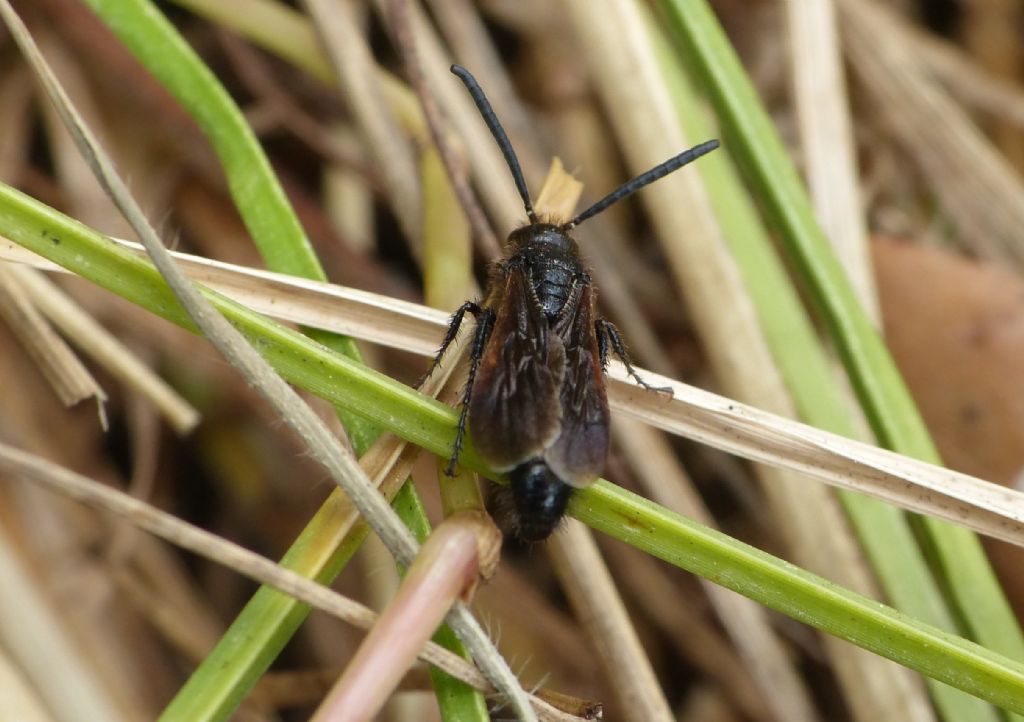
(105, 349)
(337, 459)
(964, 78)
(600, 609)
(700, 415)
(559, 194)
(707, 276)
(489, 170)
(461, 550)
(345, 310)
(17, 698)
(827, 140)
(982, 194)
(746, 622)
(164, 525)
(398, 12)
(71, 381)
(355, 68)
(37, 639)
(470, 41)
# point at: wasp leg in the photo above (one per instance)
(484, 326)
(449, 336)
(602, 343)
(608, 333)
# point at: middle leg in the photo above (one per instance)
(484, 326)
(449, 336)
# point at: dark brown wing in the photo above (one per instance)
(514, 412)
(579, 454)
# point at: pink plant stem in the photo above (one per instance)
(446, 568)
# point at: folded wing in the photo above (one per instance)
(515, 412)
(580, 451)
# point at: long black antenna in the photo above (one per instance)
(484, 106)
(630, 187)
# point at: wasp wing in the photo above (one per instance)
(580, 452)
(515, 411)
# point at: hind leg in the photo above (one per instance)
(607, 334)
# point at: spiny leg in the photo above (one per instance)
(608, 333)
(449, 336)
(484, 325)
(602, 343)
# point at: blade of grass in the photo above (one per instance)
(448, 281)
(601, 611)
(27, 467)
(270, 618)
(751, 137)
(279, 28)
(988, 509)
(457, 701)
(818, 87)
(812, 601)
(608, 508)
(336, 457)
(69, 378)
(708, 275)
(884, 532)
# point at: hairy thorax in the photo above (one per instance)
(551, 258)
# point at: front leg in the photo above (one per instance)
(608, 333)
(449, 336)
(484, 325)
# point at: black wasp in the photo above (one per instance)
(535, 397)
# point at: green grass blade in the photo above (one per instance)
(254, 188)
(447, 276)
(798, 594)
(457, 700)
(751, 138)
(430, 424)
(270, 618)
(277, 28)
(884, 532)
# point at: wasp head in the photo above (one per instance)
(546, 235)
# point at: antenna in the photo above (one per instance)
(484, 106)
(630, 187)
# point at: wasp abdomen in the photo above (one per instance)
(540, 499)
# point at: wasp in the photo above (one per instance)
(535, 400)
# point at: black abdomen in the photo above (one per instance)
(540, 499)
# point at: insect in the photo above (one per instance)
(535, 398)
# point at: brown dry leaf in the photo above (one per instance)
(956, 329)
